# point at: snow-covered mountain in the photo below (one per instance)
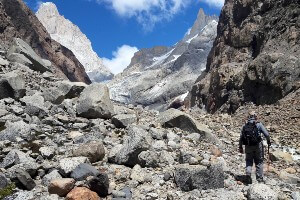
(69, 35)
(157, 75)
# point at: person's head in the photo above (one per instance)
(252, 115)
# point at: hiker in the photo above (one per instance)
(254, 149)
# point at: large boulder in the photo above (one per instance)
(35, 105)
(188, 177)
(94, 151)
(12, 85)
(94, 102)
(24, 179)
(16, 130)
(175, 118)
(123, 120)
(53, 95)
(21, 47)
(71, 89)
(261, 192)
(15, 157)
(138, 140)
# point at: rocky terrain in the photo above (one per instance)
(255, 57)
(66, 33)
(157, 75)
(17, 20)
(68, 140)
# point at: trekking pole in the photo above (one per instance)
(268, 161)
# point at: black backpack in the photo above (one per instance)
(250, 134)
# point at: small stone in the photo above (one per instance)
(99, 184)
(61, 187)
(47, 152)
(25, 179)
(94, 151)
(51, 176)
(3, 181)
(262, 192)
(67, 165)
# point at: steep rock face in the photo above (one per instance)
(17, 20)
(66, 33)
(157, 75)
(255, 57)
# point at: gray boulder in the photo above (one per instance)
(188, 177)
(175, 118)
(35, 105)
(12, 85)
(51, 176)
(148, 159)
(21, 47)
(24, 180)
(15, 157)
(67, 165)
(138, 140)
(19, 58)
(94, 151)
(53, 95)
(94, 102)
(261, 192)
(82, 171)
(71, 89)
(123, 120)
(16, 130)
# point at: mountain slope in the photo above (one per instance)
(255, 57)
(17, 20)
(157, 75)
(69, 35)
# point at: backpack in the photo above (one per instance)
(250, 134)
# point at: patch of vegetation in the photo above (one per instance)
(8, 190)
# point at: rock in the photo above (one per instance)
(71, 89)
(261, 192)
(21, 47)
(279, 155)
(123, 120)
(3, 62)
(148, 159)
(157, 134)
(3, 181)
(21, 195)
(53, 95)
(16, 130)
(296, 195)
(82, 171)
(35, 105)
(80, 193)
(188, 177)
(24, 179)
(12, 85)
(49, 177)
(67, 165)
(61, 187)
(74, 134)
(94, 151)
(47, 152)
(175, 118)
(289, 178)
(122, 110)
(138, 140)
(94, 102)
(15, 157)
(99, 184)
(138, 174)
(19, 58)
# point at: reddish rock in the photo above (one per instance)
(61, 187)
(17, 20)
(82, 193)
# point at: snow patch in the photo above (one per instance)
(189, 40)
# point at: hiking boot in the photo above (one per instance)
(260, 180)
(248, 180)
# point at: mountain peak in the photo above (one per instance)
(49, 9)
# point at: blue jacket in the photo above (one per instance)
(261, 130)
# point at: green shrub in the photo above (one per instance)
(8, 190)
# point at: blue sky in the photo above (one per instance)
(110, 24)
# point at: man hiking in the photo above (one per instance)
(254, 149)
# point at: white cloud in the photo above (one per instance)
(214, 3)
(147, 12)
(122, 58)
